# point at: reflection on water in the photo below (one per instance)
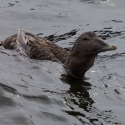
(78, 96)
(78, 92)
(54, 38)
(81, 104)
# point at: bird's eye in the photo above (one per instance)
(85, 39)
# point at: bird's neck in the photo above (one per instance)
(78, 65)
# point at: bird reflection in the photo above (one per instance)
(79, 92)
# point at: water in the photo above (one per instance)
(38, 92)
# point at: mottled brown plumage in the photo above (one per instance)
(38, 48)
(9, 42)
(81, 58)
(83, 53)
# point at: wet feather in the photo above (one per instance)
(80, 59)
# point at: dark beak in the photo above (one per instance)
(106, 46)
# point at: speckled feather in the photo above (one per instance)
(39, 48)
(9, 42)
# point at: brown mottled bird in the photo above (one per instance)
(80, 59)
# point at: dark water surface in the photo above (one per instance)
(38, 92)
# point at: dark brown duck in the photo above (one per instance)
(80, 59)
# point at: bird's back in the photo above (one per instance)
(36, 47)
